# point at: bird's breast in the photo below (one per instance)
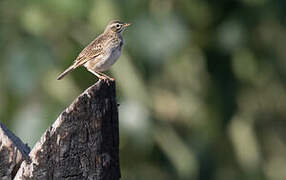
(110, 56)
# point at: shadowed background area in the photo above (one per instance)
(201, 83)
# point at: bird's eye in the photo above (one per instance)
(118, 26)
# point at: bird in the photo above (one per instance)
(99, 55)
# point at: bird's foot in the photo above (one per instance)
(111, 79)
(106, 77)
(101, 76)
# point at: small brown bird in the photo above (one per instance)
(102, 52)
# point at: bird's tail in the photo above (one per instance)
(65, 73)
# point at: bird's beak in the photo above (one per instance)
(126, 24)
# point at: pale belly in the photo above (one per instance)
(105, 62)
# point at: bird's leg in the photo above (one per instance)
(104, 75)
(97, 74)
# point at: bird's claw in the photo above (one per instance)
(106, 79)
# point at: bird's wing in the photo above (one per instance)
(91, 51)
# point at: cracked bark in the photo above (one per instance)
(12, 152)
(83, 143)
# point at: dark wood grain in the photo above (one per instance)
(83, 143)
(12, 152)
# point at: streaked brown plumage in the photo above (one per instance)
(102, 52)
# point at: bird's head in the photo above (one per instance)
(116, 26)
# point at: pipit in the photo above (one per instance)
(102, 52)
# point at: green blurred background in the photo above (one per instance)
(201, 83)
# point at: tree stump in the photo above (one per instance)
(12, 153)
(83, 143)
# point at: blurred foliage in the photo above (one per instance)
(201, 83)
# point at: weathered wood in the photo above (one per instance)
(12, 153)
(83, 143)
